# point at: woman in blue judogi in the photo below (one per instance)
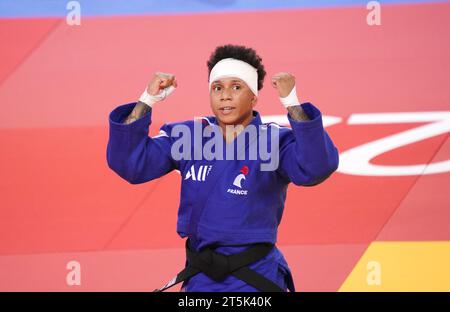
(231, 200)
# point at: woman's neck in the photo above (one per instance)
(237, 128)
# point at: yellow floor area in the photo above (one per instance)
(402, 266)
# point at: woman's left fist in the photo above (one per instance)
(284, 83)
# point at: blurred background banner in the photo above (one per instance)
(378, 71)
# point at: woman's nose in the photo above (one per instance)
(226, 94)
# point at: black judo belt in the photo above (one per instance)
(218, 266)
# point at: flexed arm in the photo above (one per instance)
(307, 154)
(131, 153)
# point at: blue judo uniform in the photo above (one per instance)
(230, 203)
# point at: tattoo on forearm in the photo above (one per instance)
(140, 109)
(297, 113)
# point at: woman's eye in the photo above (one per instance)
(218, 88)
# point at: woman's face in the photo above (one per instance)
(232, 101)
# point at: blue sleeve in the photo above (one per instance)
(131, 153)
(307, 154)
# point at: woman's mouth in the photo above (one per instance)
(226, 110)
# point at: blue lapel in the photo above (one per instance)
(211, 180)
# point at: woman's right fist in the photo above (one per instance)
(160, 82)
(160, 87)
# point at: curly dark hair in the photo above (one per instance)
(238, 52)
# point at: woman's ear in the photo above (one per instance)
(254, 100)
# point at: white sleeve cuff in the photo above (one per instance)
(291, 99)
(150, 100)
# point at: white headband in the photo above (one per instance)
(231, 67)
